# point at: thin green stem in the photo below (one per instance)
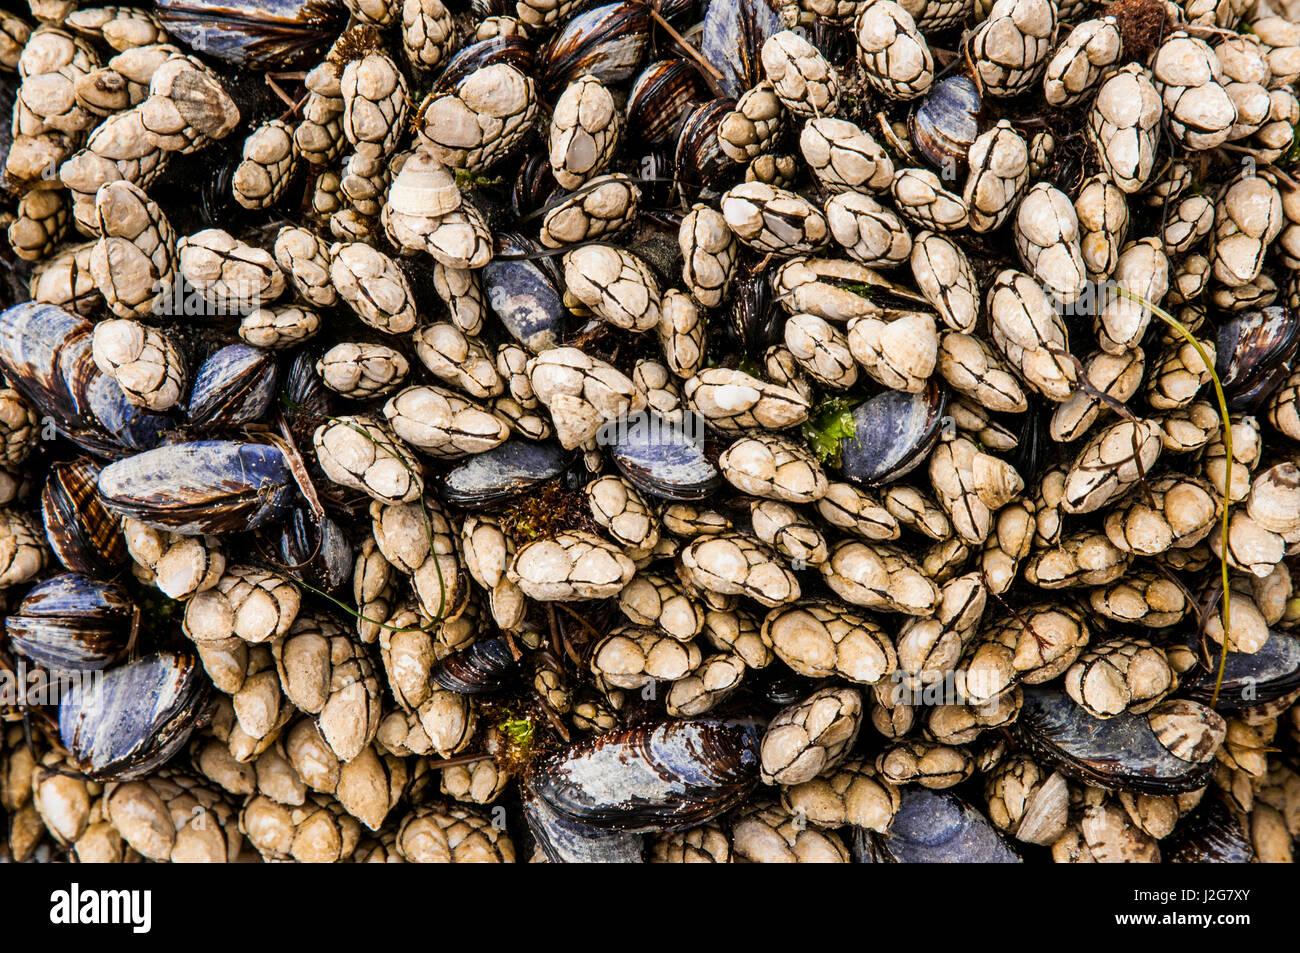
(1187, 335)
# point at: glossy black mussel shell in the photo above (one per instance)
(893, 434)
(1119, 754)
(733, 37)
(525, 292)
(1211, 834)
(129, 722)
(661, 95)
(514, 467)
(313, 549)
(533, 186)
(84, 534)
(484, 666)
(205, 486)
(1249, 679)
(655, 777)
(234, 386)
(755, 316)
(73, 622)
(514, 50)
(780, 687)
(946, 122)
(303, 391)
(699, 162)
(1034, 448)
(934, 827)
(45, 355)
(608, 41)
(663, 460)
(261, 34)
(566, 841)
(1254, 352)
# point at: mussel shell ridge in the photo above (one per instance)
(655, 777)
(133, 719)
(207, 486)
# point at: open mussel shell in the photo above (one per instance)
(234, 386)
(1249, 679)
(261, 34)
(525, 292)
(608, 42)
(73, 622)
(933, 827)
(514, 467)
(946, 122)
(1254, 352)
(1119, 754)
(84, 535)
(313, 549)
(893, 433)
(733, 36)
(699, 162)
(661, 95)
(566, 841)
(1211, 834)
(45, 354)
(662, 460)
(205, 486)
(484, 666)
(655, 777)
(136, 716)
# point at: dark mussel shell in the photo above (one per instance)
(734, 34)
(609, 42)
(566, 841)
(304, 393)
(314, 550)
(781, 687)
(534, 186)
(83, 534)
(755, 317)
(1034, 447)
(514, 467)
(661, 95)
(655, 777)
(234, 386)
(206, 486)
(138, 715)
(934, 827)
(1249, 679)
(73, 622)
(45, 354)
(262, 34)
(699, 162)
(946, 122)
(1118, 754)
(1209, 835)
(8, 95)
(662, 460)
(1254, 352)
(893, 433)
(483, 666)
(514, 50)
(525, 292)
